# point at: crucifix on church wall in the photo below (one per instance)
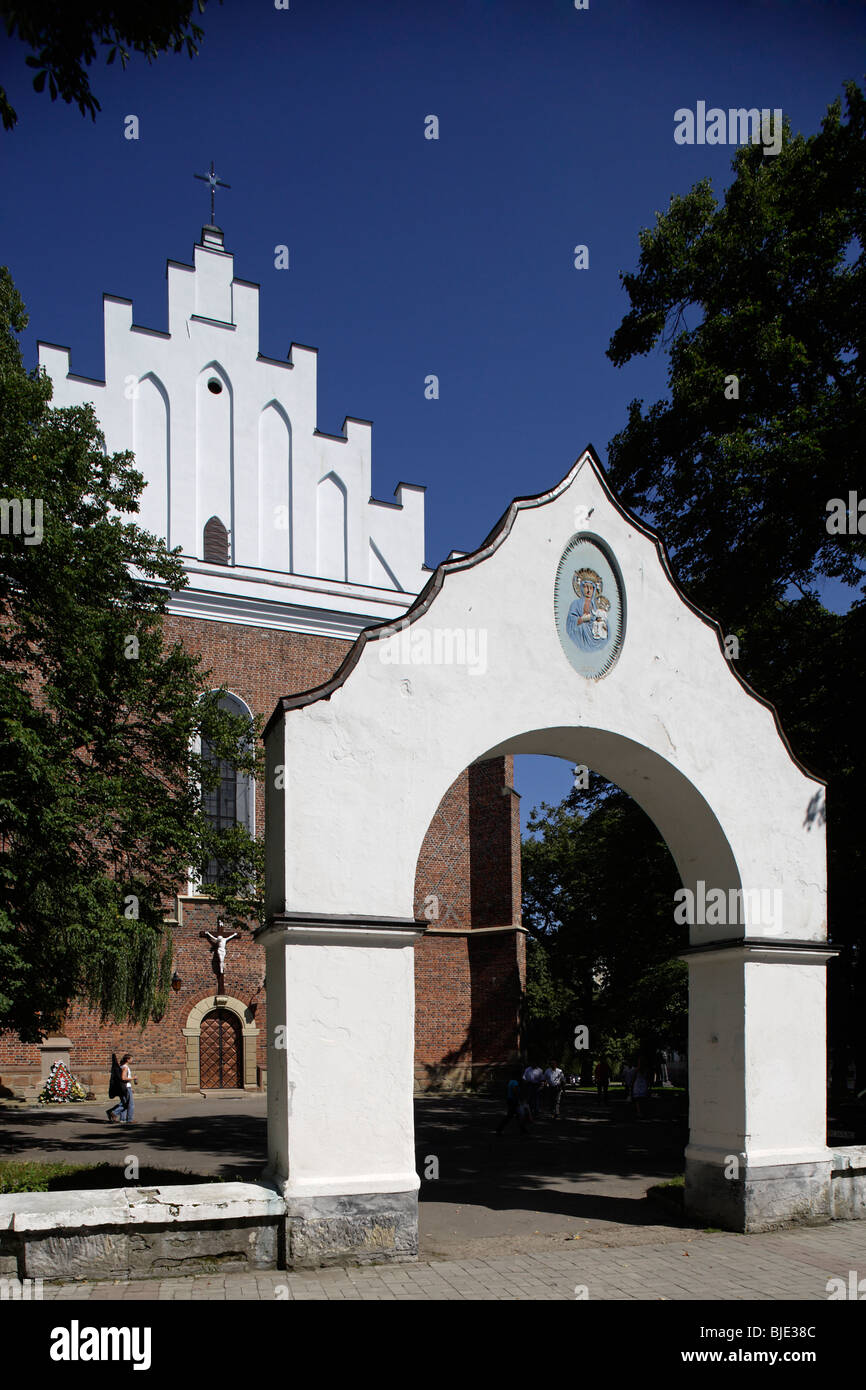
(218, 952)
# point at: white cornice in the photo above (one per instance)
(284, 602)
(242, 578)
(251, 611)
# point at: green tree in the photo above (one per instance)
(64, 37)
(760, 301)
(598, 886)
(101, 785)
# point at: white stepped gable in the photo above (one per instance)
(219, 431)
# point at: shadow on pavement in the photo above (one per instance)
(596, 1162)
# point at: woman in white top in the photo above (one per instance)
(125, 1107)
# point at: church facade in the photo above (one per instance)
(289, 558)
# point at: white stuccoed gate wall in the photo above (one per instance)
(356, 771)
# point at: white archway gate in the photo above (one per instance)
(563, 634)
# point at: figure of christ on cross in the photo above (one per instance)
(218, 957)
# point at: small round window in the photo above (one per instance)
(215, 385)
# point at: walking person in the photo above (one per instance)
(602, 1079)
(514, 1107)
(123, 1112)
(115, 1088)
(533, 1078)
(554, 1080)
(627, 1078)
(640, 1088)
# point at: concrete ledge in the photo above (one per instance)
(198, 1228)
(134, 1231)
(188, 1202)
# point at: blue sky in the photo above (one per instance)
(411, 256)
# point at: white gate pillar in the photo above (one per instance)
(340, 1084)
(758, 1152)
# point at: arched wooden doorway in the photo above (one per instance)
(221, 1051)
(224, 1048)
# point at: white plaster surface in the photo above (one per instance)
(295, 502)
(365, 769)
(669, 723)
(340, 1116)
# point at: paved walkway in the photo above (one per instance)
(492, 1195)
(506, 1217)
(785, 1265)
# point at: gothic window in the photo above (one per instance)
(232, 800)
(216, 542)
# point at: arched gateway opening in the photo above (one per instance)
(563, 634)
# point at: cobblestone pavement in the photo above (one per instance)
(793, 1264)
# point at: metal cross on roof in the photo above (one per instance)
(215, 183)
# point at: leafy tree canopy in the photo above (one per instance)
(598, 886)
(760, 302)
(64, 38)
(101, 723)
(774, 281)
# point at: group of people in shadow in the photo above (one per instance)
(540, 1091)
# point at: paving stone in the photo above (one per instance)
(778, 1266)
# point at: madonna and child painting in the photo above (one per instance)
(589, 606)
(586, 623)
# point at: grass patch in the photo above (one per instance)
(63, 1177)
(669, 1194)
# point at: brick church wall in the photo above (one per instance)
(259, 664)
(467, 986)
(470, 966)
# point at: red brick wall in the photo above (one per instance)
(470, 860)
(497, 968)
(468, 986)
(443, 894)
(443, 1010)
(259, 664)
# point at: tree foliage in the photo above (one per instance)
(774, 280)
(101, 725)
(768, 286)
(760, 303)
(598, 886)
(65, 38)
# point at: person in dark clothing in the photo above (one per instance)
(120, 1085)
(115, 1087)
(602, 1079)
(533, 1079)
(515, 1106)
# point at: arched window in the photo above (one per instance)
(233, 800)
(216, 542)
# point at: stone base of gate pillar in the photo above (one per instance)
(357, 1229)
(747, 1196)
